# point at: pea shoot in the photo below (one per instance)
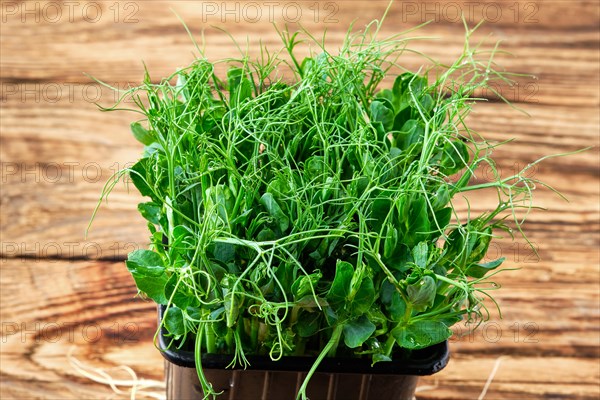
(297, 207)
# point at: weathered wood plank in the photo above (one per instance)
(90, 306)
(57, 150)
(82, 285)
(44, 170)
(27, 117)
(517, 378)
(48, 220)
(49, 308)
(543, 41)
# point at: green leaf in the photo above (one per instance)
(195, 313)
(141, 134)
(357, 331)
(386, 291)
(400, 91)
(220, 199)
(315, 167)
(421, 334)
(364, 296)
(234, 77)
(340, 287)
(308, 323)
(280, 188)
(479, 270)
(307, 64)
(392, 300)
(150, 211)
(180, 298)
(480, 244)
(329, 189)
(401, 84)
(441, 197)
(455, 157)
(380, 208)
(275, 211)
(178, 235)
(385, 94)
(138, 176)
(148, 272)
(418, 225)
(152, 149)
(383, 111)
(173, 320)
(397, 307)
(152, 286)
(223, 252)
(427, 104)
(419, 253)
(240, 87)
(145, 262)
(410, 132)
(380, 131)
(442, 219)
(390, 241)
(417, 84)
(266, 235)
(304, 284)
(245, 91)
(422, 293)
(331, 316)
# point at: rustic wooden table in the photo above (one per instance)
(61, 293)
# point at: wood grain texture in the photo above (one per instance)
(45, 170)
(90, 307)
(59, 291)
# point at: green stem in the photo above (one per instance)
(300, 347)
(333, 341)
(496, 184)
(433, 313)
(294, 315)
(229, 340)
(389, 345)
(254, 324)
(460, 185)
(451, 282)
(206, 385)
(408, 312)
(210, 340)
(464, 287)
(334, 345)
(433, 316)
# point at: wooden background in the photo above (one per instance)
(60, 292)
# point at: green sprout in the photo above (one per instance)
(314, 214)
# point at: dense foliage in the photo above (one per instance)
(313, 214)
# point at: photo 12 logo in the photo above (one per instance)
(494, 332)
(53, 252)
(451, 11)
(53, 12)
(53, 332)
(63, 172)
(270, 11)
(67, 92)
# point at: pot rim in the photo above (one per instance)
(427, 361)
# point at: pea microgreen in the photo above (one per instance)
(315, 214)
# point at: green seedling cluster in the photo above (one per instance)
(297, 208)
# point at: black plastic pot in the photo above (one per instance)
(264, 379)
